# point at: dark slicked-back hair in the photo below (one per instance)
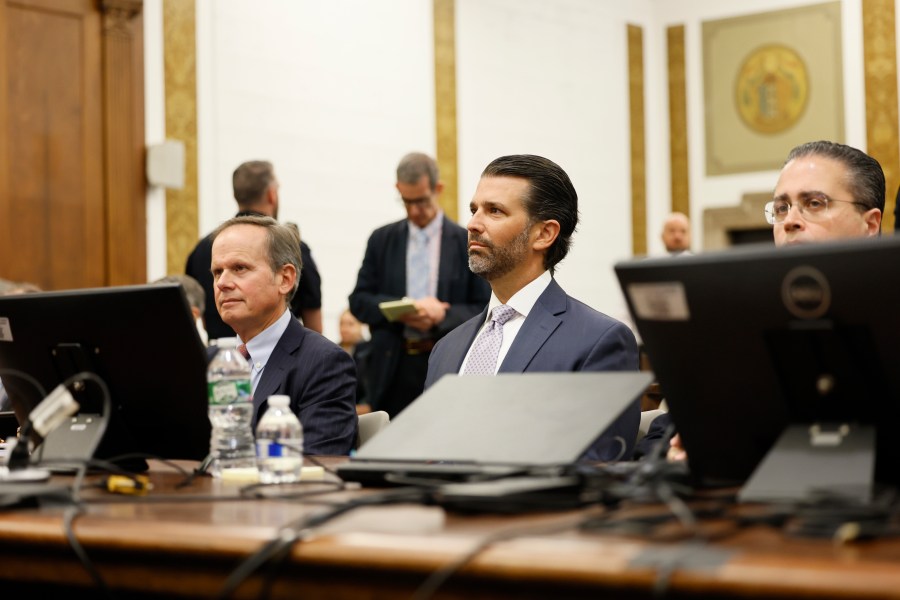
(414, 165)
(551, 195)
(283, 243)
(251, 180)
(866, 181)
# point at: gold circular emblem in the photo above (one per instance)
(772, 89)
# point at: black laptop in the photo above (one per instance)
(482, 427)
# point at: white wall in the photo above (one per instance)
(155, 132)
(334, 92)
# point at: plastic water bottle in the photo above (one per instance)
(230, 412)
(279, 443)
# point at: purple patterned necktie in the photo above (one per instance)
(483, 358)
(243, 350)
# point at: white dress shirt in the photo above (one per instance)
(434, 230)
(260, 347)
(522, 301)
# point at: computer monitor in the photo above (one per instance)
(797, 345)
(140, 340)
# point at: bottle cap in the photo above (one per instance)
(227, 342)
(279, 401)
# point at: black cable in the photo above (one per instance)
(438, 578)
(4, 371)
(170, 463)
(312, 458)
(101, 423)
(624, 446)
(72, 512)
(254, 490)
(70, 515)
(275, 566)
(19, 458)
(301, 528)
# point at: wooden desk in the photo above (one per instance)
(186, 546)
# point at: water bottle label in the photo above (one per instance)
(269, 449)
(229, 392)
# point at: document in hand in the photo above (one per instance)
(395, 309)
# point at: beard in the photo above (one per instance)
(496, 261)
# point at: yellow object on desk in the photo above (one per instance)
(136, 485)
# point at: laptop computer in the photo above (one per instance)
(483, 427)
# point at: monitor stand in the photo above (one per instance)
(72, 444)
(810, 462)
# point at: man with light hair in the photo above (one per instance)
(255, 266)
(256, 190)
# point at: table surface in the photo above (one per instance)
(188, 541)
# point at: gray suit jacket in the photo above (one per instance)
(560, 334)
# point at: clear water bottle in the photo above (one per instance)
(230, 412)
(279, 443)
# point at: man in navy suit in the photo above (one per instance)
(256, 267)
(422, 257)
(524, 213)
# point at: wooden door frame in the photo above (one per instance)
(124, 141)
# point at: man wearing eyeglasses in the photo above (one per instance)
(826, 191)
(423, 257)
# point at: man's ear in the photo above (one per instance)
(288, 277)
(872, 218)
(547, 232)
(438, 187)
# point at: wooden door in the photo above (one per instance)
(72, 188)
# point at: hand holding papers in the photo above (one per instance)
(395, 309)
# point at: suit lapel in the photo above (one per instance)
(446, 264)
(542, 321)
(395, 263)
(279, 362)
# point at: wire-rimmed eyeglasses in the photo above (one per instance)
(813, 207)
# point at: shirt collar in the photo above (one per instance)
(523, 300)
(431, 229)
(261, 346)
